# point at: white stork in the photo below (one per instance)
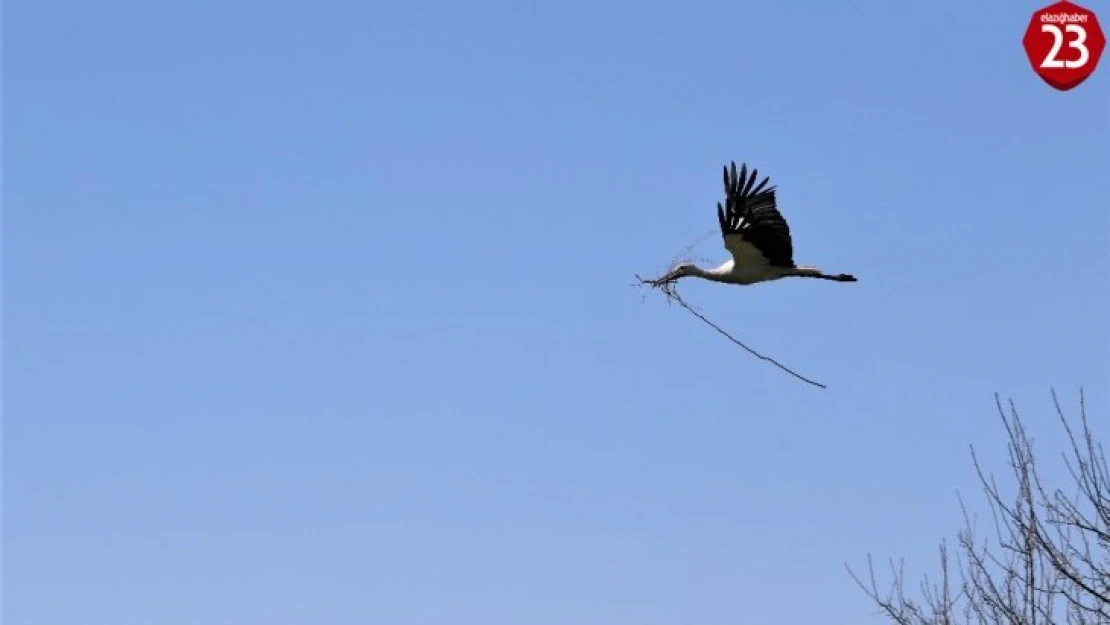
(757, 236)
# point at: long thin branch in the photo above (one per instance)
(671, 293)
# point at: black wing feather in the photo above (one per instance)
(750, 211)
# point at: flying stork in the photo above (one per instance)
(756, 235)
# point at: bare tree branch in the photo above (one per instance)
(1049, 559)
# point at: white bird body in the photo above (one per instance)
(756, 235)
(729, 273)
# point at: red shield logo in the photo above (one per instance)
(1064, 43)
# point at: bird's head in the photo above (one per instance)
(681, 271)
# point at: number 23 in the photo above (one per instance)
(1058, 40)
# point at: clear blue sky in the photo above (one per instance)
(321, 312)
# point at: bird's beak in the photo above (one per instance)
(664, 279)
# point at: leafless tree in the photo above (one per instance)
(1048, 559)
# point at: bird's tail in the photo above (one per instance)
(813, 272)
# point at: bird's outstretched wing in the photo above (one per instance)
(754, 230)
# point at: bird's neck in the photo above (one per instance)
(717, 274)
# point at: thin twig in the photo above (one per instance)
(670, 290)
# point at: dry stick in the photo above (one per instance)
(671, 292)
(690, 248)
